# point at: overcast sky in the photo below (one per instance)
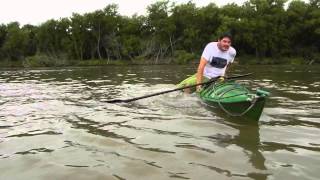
(38, 11)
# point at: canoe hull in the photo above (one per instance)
(234, 100)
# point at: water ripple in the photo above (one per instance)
(56, 123)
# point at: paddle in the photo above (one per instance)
(172, 90)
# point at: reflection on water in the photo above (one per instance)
(55, 123)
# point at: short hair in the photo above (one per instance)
(226, 34)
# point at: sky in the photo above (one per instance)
(36, 12)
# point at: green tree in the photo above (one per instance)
(161, 28)
(132, 32)
(265, 20)
(208, 24)
(31, 45)
(16, 41)
(261, 28)
(297, 16)
(187, 31)
(3, 34)
(78, 32)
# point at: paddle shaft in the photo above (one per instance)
(172, 90)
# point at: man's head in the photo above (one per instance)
(224, 41)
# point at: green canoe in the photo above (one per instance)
(235, 99)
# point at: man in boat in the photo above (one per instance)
(214, 62)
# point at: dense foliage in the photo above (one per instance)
(265, 31)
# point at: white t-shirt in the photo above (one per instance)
(217, 60)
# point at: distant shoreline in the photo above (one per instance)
(168, 61)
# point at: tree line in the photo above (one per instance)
(268, 31)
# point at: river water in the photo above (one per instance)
(55, 124)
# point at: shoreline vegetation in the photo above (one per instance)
(50, 62)
(264, 32)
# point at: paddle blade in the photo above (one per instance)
(114, 101)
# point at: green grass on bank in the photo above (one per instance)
(11, 64)
(179, 58)
(272, 61)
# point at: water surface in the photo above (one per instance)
(55, 124)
